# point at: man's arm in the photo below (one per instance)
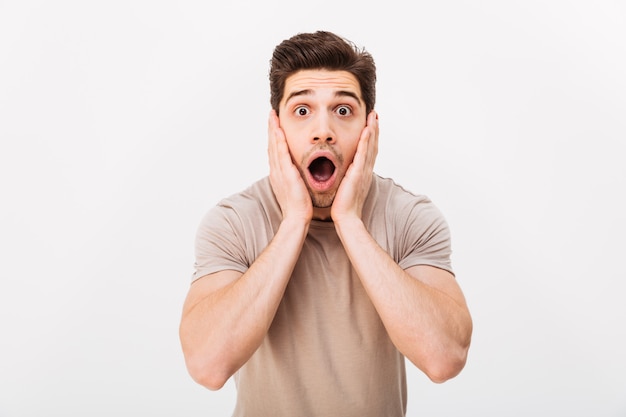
(422, 308)
(227, 314)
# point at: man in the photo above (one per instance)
(314, 284)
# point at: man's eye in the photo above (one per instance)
(302, 111)
(344, 110)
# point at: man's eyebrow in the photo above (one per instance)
(344, 93)
(298, 93)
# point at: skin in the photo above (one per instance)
(322, 114)
(422, 308)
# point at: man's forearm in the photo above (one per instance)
(429, 326)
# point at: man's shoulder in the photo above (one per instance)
(392, 203)
(386, 190)
(258, 194)
(248, 209)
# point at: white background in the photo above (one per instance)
(122, 122)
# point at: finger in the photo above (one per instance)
(281, 162)
(372, 150)
(275, 138)
(368, 143)
(372, 118)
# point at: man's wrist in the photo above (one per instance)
(295, 223)
(348, 224)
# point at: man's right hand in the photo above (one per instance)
(287, 183)
(227, 314)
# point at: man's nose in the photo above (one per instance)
(323, 131)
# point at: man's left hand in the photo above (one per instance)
(356, 184)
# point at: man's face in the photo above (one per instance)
(322, 114)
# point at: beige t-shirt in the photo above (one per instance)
(327, 352)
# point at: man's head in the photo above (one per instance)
(323, 89)
(321, 50)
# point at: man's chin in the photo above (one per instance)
(322, 201)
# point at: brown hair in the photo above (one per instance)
(321, 50)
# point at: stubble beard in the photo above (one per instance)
(322, 200)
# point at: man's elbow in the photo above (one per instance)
(203, 373)
(440, 370)
(441, 374)
(211, 381)
(449, 360)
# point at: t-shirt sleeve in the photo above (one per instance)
(425, 237)
(218, 243)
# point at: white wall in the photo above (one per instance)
(122, 122)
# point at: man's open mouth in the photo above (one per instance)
(321, 169)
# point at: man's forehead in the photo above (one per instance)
(311, 80)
